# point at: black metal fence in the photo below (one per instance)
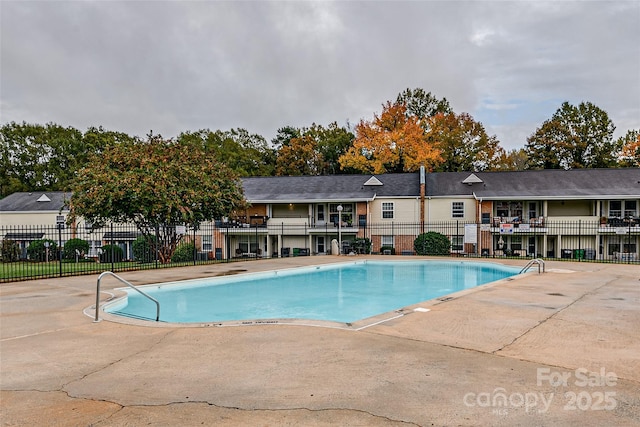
(30, 252)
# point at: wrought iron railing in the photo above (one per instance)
(32, 251)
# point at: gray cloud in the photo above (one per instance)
(174, 66)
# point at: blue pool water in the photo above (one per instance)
(338, 292)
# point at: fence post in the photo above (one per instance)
(60, 248)
(393, 236)
(579, 253)
(226, 243)
(629, 244)
(535, 243)
(257, 242)
(327, 243)
(112, 253)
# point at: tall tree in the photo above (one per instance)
(575, 137)
(463, 143)
(246, 154)
(512, 160)
(630, 143)
(300, 156)
(392, 142)
(422, 104)
(156, 185)
(544, 149)
(97, 139)
(284, 136)
(37, 157)
(333, 142)
(311, 151)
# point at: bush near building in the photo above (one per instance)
(432, 243)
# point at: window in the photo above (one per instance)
(386, 241)
(387, 210)
(509, 209)
(615, 209)
(320, 245)
(457, 243)
(629, 208)
(502, 209)
(613, 248)
(248, 247)
(320, 212)
(516, 243)
(347, 212)
(207, 243)
(457, 209)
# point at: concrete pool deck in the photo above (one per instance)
(561, 348)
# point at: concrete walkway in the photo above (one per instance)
(562, 348)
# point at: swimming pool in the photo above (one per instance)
(344, 292)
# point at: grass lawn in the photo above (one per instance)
(23, 270)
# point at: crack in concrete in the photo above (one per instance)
(149, 348)
(545, 320)
(35, 334)
(496, 352)
(74, 398)
(121, 407)
(237, 408)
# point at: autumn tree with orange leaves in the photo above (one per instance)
(463, 143)
(392, 142)
(311, 151)
(630, 156)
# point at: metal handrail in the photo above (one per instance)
(537, 261)
(97, 319)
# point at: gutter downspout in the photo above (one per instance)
(478, 207)
(479, 221)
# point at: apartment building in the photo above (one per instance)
(588, 213)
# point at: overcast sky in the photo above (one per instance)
(173, 66)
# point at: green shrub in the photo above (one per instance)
(143, 250)
(432, 243)
(388, 248)
(9, 250)
(111, 253)
(69, 250)
(37, 250)
(183, 253)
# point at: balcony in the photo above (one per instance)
(320, 227)
(516, 225)
(243, 225)
(629, 225)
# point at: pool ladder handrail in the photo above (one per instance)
(537, 261)
(109, 273)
